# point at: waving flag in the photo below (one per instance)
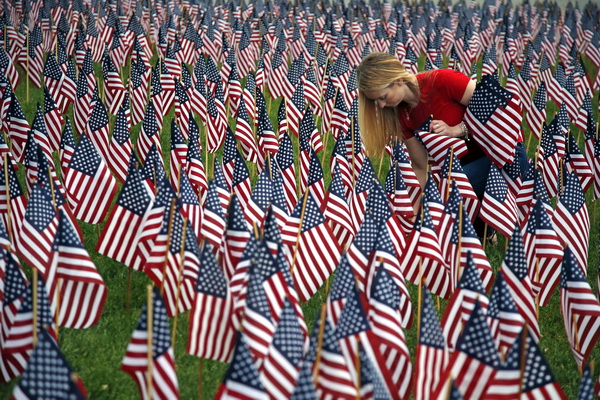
(499, 207)
(493, 109)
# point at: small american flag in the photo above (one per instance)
(120, 145)
(135, 363)
(18, 128)
(499, 207)
(493, 109)
(579, 307)
(503, 317)
(576, 162)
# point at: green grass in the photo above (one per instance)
(96, 353)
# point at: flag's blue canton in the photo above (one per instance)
(312, 214)
(288, 338)
(180, 91)
(212, 72)
(48, 374)
(470, 279)
(539, 189)
(264, 122)
(219, 177)
(537, 372)
(341, 66)
(31, 151)
(453, 203)
(296, 71)
(137, 70)
(456, 167)
(121, 131)
(82, 88)
(352, 84)
(176, 231)
(40, 211)
(488, 97)
(45, 315)
(15, 110)
(573, 198)
(153, 167)
(427, 220)
(562, 117)
(107, 65)
(155, 86)
(66, 235)
(377, 203)
(134, 196)
(283, 266)
(343, 282)
(261, 195)
(370, 377)
(501, 300)
(49, 104)
(263, 260)
(271, 228)
(285, 154)
(431, 193)
(571, 271)
(430, 333)
(38, 123)
(251, 87)
(329, 91)
(455, 394)
(515, 255)
(366, 177)
(496, 186)
(307, 127)
(544, 64)
(161, 334)
(560, 75)
(340, 104)
(276, 61)
(476, 339)
(525, 72)
(539, 100)
(586, 387)
(512, 73)
(572, 146)
(570, 85)
(467, 228)
(85, 157)
(240, 170)
(211, 280)
(176, 139)
(256, 298)
(235, 216)
(278, 195)
(14, 282)
(353, 319)
(512, 361)
(315, 173)
(336, 187)
(188, 196)
(51, 69)
(339, 149)
(149, 125)
(384, 289)
(165, 196)
(305, 386)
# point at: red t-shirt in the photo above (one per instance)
(441, 93)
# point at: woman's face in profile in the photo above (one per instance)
(391, 96)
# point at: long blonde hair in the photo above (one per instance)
(376, 72)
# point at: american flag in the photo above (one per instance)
(260, 199)
(48, 374)
(548, 162)
(9, 69)
(313, 263)
(138, 90)
(503, 317)
(359, 252)
(235, 237)
(457, 312)
(285, 161)
(579, 307)
(280, 369)
(120, 146)
(452, 170)
(11, 195)
(89, 184)
(150, 132)
(586, 386)
(163, 376)
(118, 239)
(211, 333)
(40, 133)
(305, 386)
(267, 138)
(498, 207)
(82, 290)
(386, 323)
(296, 109)
(431, 357)
(240, 183)
(216, 125)
(114, 91)
(83, 100)
(246, 137)
(544, 251)
(339, 120)
(493, 109)
(538, 382)
(178, 154)
(53, 120)
(183, 108)
(18, 128)
(576, 162)
(54, 81)
(337, 211)
(475, 361)
(572, 220)
(585, 112)
(515, 269)
(18, 342)
(536, 116)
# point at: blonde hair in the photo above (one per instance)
(376, 72)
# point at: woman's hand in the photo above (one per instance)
(439, 126)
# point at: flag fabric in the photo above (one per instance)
(498, 207)
(432, 357)
(452, 171)
(211, 332)
(493, 109)
(579, 307)
(536, 115)
(48, 374)
(572, 220)
(90, 186)
(516, 274)
(575, 161)
(163, 377)
(503, 317)
(120, 146)
(475, 360)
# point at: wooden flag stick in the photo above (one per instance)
(299, 236)
(449, 174)
(320, 343)
(179, 282)
(8, 211)
(27, 66)
(381, 165)
(149, 328)
(169, 233)
(35, 306)
(537, 280)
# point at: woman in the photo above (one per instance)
(393, 103)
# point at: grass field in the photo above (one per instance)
(96, 353)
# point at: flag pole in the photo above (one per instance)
(27, 58)
(537, 280)
(8, 211)
(35, 306)
(449, 174)
(149, 340)
(169, 233)
(298, 237)
(320, 342)
(179, 281)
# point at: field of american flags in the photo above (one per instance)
(96, 353)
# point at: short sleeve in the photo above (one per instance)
(455, 83)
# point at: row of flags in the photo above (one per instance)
(240, 255)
